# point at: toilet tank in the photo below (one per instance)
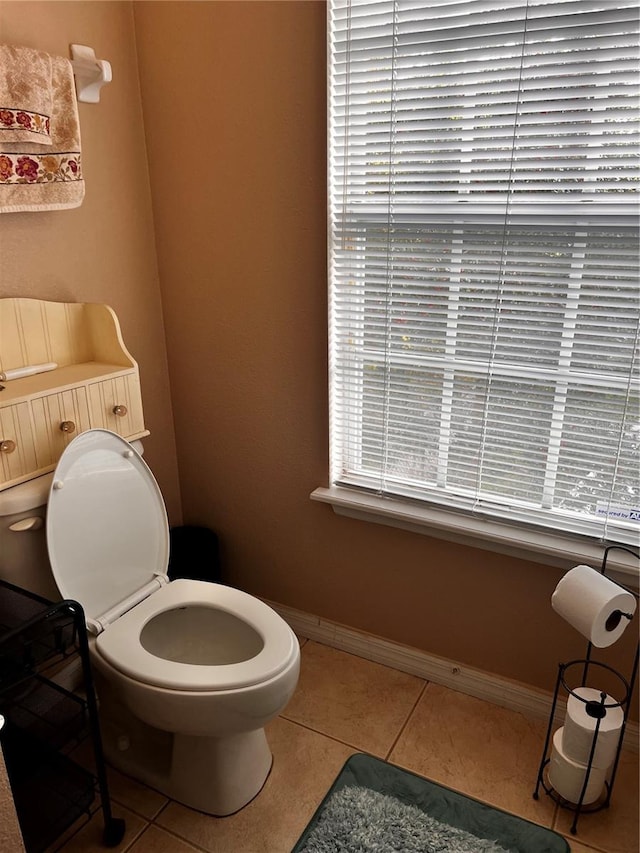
(24, 559)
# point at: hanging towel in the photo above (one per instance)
(25, 95)
(46, 177)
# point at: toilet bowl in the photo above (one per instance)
(188, 672)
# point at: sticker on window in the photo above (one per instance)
(624, 513)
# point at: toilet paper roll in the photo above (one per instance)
(29, 370)
(567, 776)
(593, 604)
(580, 726)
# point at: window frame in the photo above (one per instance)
(451, 522)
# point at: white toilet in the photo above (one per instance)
(188, 672)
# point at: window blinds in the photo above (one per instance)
(483, 204)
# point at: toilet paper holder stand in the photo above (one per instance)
(594, 709)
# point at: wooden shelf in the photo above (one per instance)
(61, 379)
(96, 382)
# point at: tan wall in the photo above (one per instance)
(234, 107)
(234, 103)
(103, 251)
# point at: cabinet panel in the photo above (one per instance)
(90, 380)
(116, 404)
(57, 418)
(18, 457)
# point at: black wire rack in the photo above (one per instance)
(45, 721)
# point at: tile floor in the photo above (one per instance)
(345, 704)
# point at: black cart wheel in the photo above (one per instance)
(113, 832)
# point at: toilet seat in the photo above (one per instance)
(120, 642)
(107, 529)
(108, 542)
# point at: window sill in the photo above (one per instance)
(547, 547)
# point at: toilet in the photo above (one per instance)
(188, 672)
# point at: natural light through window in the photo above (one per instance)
(484, 270)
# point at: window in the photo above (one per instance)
(483, 203)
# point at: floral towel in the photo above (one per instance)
(37, 176)
(25, 95)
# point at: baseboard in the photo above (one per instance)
(483, 685)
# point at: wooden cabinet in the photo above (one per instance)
(95, 383)
(17, 447)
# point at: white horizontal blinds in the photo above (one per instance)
(483, 186)
(531, 103)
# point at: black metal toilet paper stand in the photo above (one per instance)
(597, 710)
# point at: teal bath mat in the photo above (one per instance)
(374, 807)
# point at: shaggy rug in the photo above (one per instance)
(375, 807)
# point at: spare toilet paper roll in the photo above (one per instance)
(567, 776)
(580, 726)
(29, 370)
(593, 604)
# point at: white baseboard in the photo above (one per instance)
(483, 685)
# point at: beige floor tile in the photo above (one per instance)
(614, 829)
(578, 847)
(123, 789)
(305, 764)
(477, 748)
(361, 703)
(88, 839)
(134, 795)
(155, 840)
(344, 704)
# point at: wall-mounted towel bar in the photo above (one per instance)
(90, 73)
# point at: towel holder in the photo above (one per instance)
(90, 73)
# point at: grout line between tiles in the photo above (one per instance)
(569, 838)
(406, 722)
(181, 838)
(162, 809)
(121, 801)
(135, 838)
(567, 834)
(330, 737)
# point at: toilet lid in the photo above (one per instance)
(107, 530)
